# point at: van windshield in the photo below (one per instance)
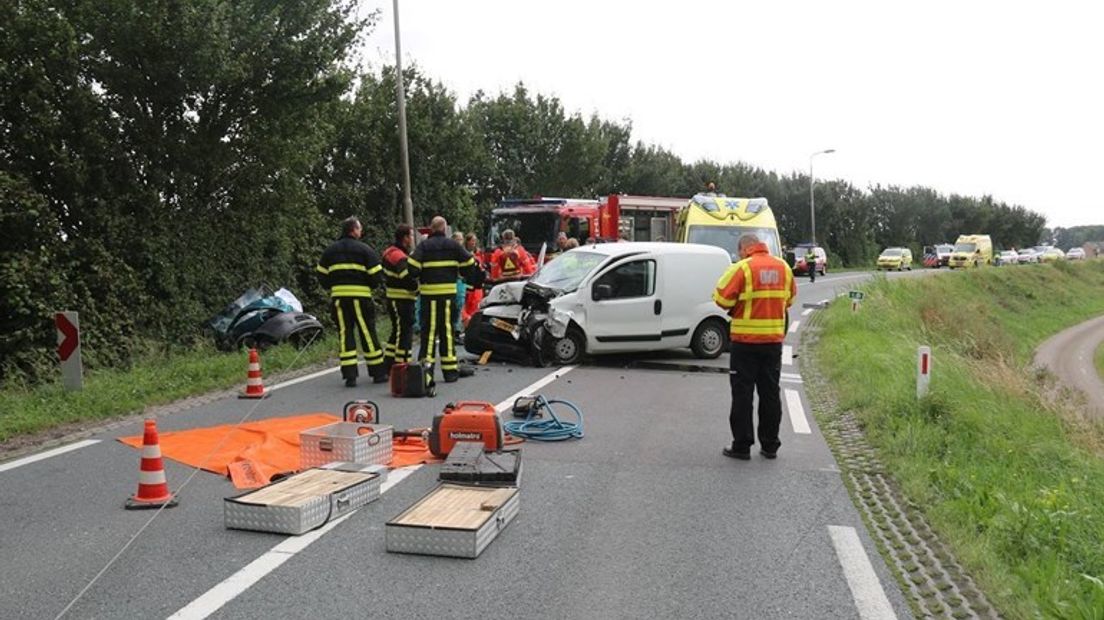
(968, 248)
(891, 253)
(727, 238)
(567, 271)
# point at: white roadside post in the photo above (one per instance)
(69, 350)
(923, 371)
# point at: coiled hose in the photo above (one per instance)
(539, 428)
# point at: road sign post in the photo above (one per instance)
(68, 349)
(923, 371)
(856, 299)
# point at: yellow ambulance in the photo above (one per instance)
(972, 251)
(718, 220)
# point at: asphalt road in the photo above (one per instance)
(642, 518)
(1070, 356)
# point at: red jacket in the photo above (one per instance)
(757, 292)
(511, 263)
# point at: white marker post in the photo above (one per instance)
(923, 371)
(68, 349)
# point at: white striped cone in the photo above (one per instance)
(153, 488)
(254, 386)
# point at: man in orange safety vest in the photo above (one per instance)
(757, 293)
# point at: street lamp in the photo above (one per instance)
(812, 201)
(408, 204)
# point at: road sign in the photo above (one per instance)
(856, 295)
(923, 371)
(68, 349)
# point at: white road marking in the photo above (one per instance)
(787, 355)
(532, 388)
(870, 598)
(291, 382)
(27, 460)
(806, 312)
(794, 325)
(825, 301)
(226, 591)
(792, 378)
(797, 413)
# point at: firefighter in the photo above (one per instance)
(437, 262)
(401, 292)
(350, 269)
(757, 292)
(511, 261)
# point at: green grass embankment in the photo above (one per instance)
(155, 379)
(1009, 477)
(1100, 361)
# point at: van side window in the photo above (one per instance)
(635, 279)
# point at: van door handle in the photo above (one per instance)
(658, 306)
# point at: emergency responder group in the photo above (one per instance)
(427, 276)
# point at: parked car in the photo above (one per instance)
(607, 298)
(1027, 256)
(1007, 257)
(1052, 255)
(801, 250)
(895, 258)
(1076, 254)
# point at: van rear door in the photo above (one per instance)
(623, 310)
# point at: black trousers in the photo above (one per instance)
(755, 367)
(436, 329)
(400, 345)
(357, 316)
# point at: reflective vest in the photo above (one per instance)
(349, 268)
(756, 292)
(511, 263)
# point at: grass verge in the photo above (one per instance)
(1100, 361)
(1011, 479)
(155, 379)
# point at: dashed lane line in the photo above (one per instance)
(794, 326)
(806, 312)
(787, 355)
(797, 413)
(870, 597)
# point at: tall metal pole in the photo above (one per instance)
(812, 199)
(408, 204)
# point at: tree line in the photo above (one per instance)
(160, 157)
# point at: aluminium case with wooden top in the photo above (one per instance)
(303, 502)
(348, 442)
(453, 520)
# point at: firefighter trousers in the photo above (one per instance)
(357, 316)
(437, 334)
(755, 367)
(400, 345)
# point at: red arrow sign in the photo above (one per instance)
(69, 334)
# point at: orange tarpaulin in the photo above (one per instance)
(252, 453)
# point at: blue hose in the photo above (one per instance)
(550, 429)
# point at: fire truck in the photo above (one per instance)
(538, 221)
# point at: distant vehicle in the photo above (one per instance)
(607, 298)
(1052, 255)
(895, 258)
(972, 251)
(539, 221)
(718, 220)
(1027, 256)
(1076, 254)
(1006, 257)
(939, 255)
(801, 266)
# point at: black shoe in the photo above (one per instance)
(380, 379)
(732, 454)
(769, 455)
(451, 376)
(350, 382)
(466, 371)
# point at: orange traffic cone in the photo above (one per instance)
(153, 490)
(254, 386)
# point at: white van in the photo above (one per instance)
(607, 298)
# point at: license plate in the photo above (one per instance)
(503, 325)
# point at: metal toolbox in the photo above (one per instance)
(302, 502)
(345, 441)
(469, 463)
(453, 520)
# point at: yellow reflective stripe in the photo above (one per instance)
(449, 355)
(448, 288)
(467, 263)
(349, 267)
(341, 334)
(413, 263)
(372, 351)
(401, 293)
(350, 290)
(758, 331)
(745, 266)
(430, 338)
(721, 301)
(440, 263)
(321, 269)
(778, 323)
(397, 276)
(765, 295)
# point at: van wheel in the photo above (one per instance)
(569, 350)
(709, 339)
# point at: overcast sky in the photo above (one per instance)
(968, 97)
